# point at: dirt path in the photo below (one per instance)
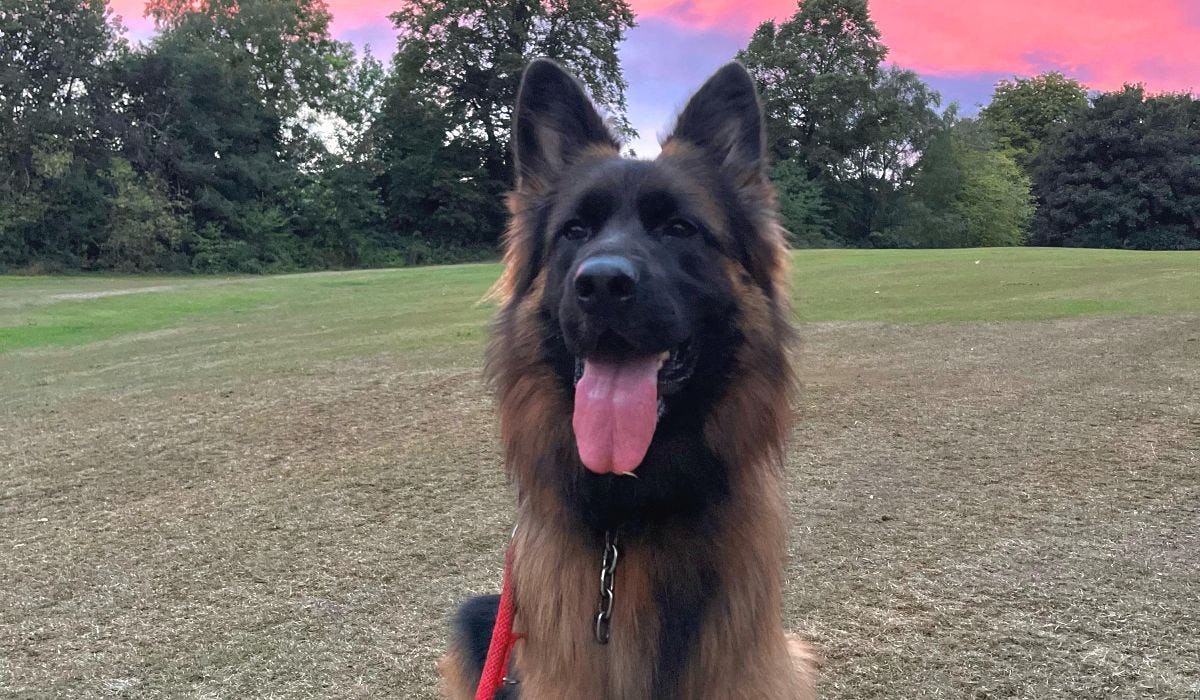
(74, 296)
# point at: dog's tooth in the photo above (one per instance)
(663, 357)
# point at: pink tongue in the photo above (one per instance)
(616, 409)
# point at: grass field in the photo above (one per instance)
(280, 486)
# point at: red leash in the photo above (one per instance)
(503, 638)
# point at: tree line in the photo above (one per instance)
(243, 137)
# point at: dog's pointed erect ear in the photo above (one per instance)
(723, 119)
(553, 123)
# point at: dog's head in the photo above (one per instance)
(649, 288)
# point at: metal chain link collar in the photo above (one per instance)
(608, 568)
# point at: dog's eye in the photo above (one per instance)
(680, 228)
(575, 230)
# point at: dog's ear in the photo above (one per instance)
(554, 122)
(723, 122)
(723, 119)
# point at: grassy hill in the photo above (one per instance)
(424, 308)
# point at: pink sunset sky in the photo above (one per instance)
(960, 47)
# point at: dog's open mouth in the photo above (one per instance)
(618, 404)
(676, 368)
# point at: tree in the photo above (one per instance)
(435, 192)
(803, 210)
(1123, 174)
(243, 137)
(56, 97)
(222, 107)
(1024, 111)
(339, 216)
(898, 119)
(52, 79)
(445, 122)
(965, 193)
(338, 212)
(854, 126)
(297, 68)
(144, 229)
(815, 74)
(357, 106)
(201, 130)
(465, 58)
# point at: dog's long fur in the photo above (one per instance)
(698, 585)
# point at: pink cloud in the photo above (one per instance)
(352, 19)
(131, 13)
(1103, 42)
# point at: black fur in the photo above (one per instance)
(524, 280)
(723, 118)
(473, 634)
(554, 120)
(682, 608)
(725, 121)
(683, 294)
(679, 480)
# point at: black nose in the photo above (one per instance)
(605, 282)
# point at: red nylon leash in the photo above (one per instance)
(500, 648)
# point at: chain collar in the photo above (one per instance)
(608, 569)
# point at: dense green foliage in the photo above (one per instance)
(864, 159)
(1023, 112)
(802, 205)
(242, 137)
(849, 124)
(847, 132)
(56, 102)
(965, 193)
(815, 74)
(443, 131)
(1124, 174)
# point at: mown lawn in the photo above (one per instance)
(280, 486)
(442, 302)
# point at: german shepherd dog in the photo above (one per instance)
(641, 364)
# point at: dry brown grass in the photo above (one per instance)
(978, 510)
(1005, 510)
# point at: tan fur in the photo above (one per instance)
(742, 649)
(457, 683)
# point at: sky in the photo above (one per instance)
(960, 47)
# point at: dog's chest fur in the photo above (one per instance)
(693, 617)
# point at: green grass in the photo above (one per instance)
(437, 308)
(992, 284)
(401, 309)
